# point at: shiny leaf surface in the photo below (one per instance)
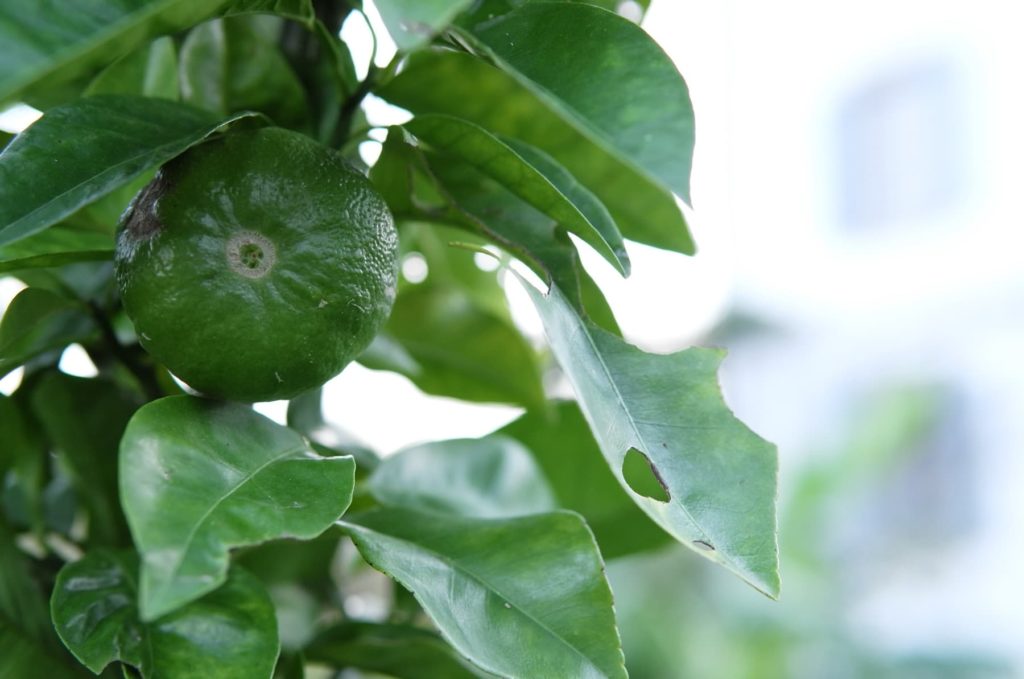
(561, 443)
(234, 64)
(485, 478)
(230, 633)
(719, 476)
(199, 477)
(532, 176)
(523, 597)
(59, 41)
(414, 22)
(424, 185)
(483, 205)
(615, 83)
(56, 246)
(100, 143)
(461, 85)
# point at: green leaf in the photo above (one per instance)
(399, 651)
(413, 23)
(492, 477)
(150, 71)
(59, 41)
(21, 600)
(532, 176)
(462, 85)
(290, 666)
(297, 10)
(615, 84)
(425, 185)
(561, 443)
(24, 455)
(489, 9)
(294, 563)
(522, 597)
(21, 656)
(55, 260)
(199, 477)
(38, 321)
(56, 246)
(234, 64)
(719, 476)
(84, 420)
(450, 255)
(100, 143)
(454, 344)
(482, 204)
(230, 633)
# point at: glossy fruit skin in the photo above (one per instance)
(257, 265)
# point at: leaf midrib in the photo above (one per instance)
(585, 331)
(568, 114)
(111, 171)
(246, 478)
(484, 584)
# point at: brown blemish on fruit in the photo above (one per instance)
(140, 220)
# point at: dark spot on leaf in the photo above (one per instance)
(706, 546)
(643, 477)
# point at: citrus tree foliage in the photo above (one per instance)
(146, 531)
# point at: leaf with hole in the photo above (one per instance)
(199, 477)
(560, 441)
(700, 473)
(230, 633)
(520, 597)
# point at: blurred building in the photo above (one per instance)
(855, 173)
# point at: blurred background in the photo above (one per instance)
(855, 186)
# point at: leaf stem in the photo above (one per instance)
(142, 374)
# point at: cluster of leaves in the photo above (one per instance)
(175, 535)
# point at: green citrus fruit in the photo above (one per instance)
(257, 265)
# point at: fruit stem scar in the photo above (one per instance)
(250, 254)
